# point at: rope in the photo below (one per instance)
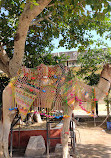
(103, 121)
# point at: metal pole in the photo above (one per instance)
(97, 108)
(47, 128)
(19, 135)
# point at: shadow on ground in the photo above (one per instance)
(93, 151)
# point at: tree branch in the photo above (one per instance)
(53, 4)
(51, 22)
(36, 21)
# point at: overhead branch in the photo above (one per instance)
(36, 21)
(51, 5)
(51, 22)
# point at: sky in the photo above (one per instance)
(63, 49)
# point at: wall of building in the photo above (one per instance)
(72, 60)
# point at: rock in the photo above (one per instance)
(58, 148)
(35, 147)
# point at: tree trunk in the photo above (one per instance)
(25, 19)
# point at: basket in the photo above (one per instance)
(109, 125)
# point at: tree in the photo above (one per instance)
(28, 27)
(91, 62)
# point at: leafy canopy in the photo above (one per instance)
(73, 19)
(91, 63)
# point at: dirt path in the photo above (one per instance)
(93, 142)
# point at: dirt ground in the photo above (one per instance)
(93, 142)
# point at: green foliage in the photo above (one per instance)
(76, 18)
(33, 2)
(70, 75)
(92, 79)
(70, 18)
(10, 13)
(32, 61)
(91, 62)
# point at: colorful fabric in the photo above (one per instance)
(24, 101)
(76, 91)
(47, 87)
